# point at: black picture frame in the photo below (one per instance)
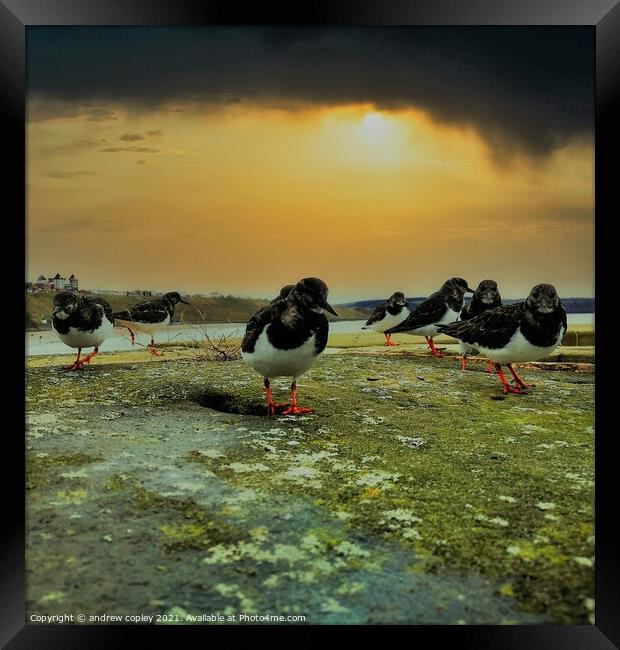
(604, 18)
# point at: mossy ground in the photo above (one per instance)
(415, 492)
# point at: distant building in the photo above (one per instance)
(56, 283)
(141, 293)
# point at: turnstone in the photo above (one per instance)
(150, 316)
(485, 297)
(284, 291)
(81, 322)
(285, 338)
(524, 331)
(440, 307)
(392, 312)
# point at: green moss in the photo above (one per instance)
(188, 526)
(463, 471)
(47, 469)
(474, 449)
(328, 538)
(115, 482)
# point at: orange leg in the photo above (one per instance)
(271, 405)
(489, 366)
(153, 349)
(518, 381)
(434, 351)
(506, 386)
(388, 340)
(77, 364)
(294, 409)
(464, 362)
(133, 336)
(90, 356)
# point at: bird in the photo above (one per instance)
(441, 307)
(485, 297)
(285, 338)
(524, 331)
(81, 322)
(389, 313)
(149, 316)
(284, 291)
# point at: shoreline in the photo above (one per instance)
(342, 335)
(573, 358)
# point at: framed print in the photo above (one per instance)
(309, 304)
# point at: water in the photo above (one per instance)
(580, 319)
(47, 342)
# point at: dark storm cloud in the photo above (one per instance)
(131, 137)
(523, 89)
(130, 150)
(99, 115)
(88, 144)
(52, 109)
(64, 175)
(82, 225)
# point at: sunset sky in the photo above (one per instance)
(379, 159)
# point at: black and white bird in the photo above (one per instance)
(285, 338)
(388, 314)
(81, 322)
(440, 307)
(149, 316)
(485, 297)
(284, 291)
(524, 331)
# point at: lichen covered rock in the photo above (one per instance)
(412, 494)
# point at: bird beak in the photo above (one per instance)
(468, 290)
(55, 311)
(327, 307)
(185, 302)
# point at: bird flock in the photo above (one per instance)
(285, 338)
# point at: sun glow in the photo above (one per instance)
(274, 190)
(374, 127)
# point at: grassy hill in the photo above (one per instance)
(218, 309)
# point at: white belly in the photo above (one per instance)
(146, 328)
(388, 321)
(78, 339)
(466, 349)
(431, 330)
(271, 362)
(519, 349)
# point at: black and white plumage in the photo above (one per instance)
(521, 332)
(284, 291)
(485, 297)
(441, 307)
(81, 322)
(286, 337)
(150, 316)
(257, 318)
(388, 314)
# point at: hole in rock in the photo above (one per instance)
(226, 403)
